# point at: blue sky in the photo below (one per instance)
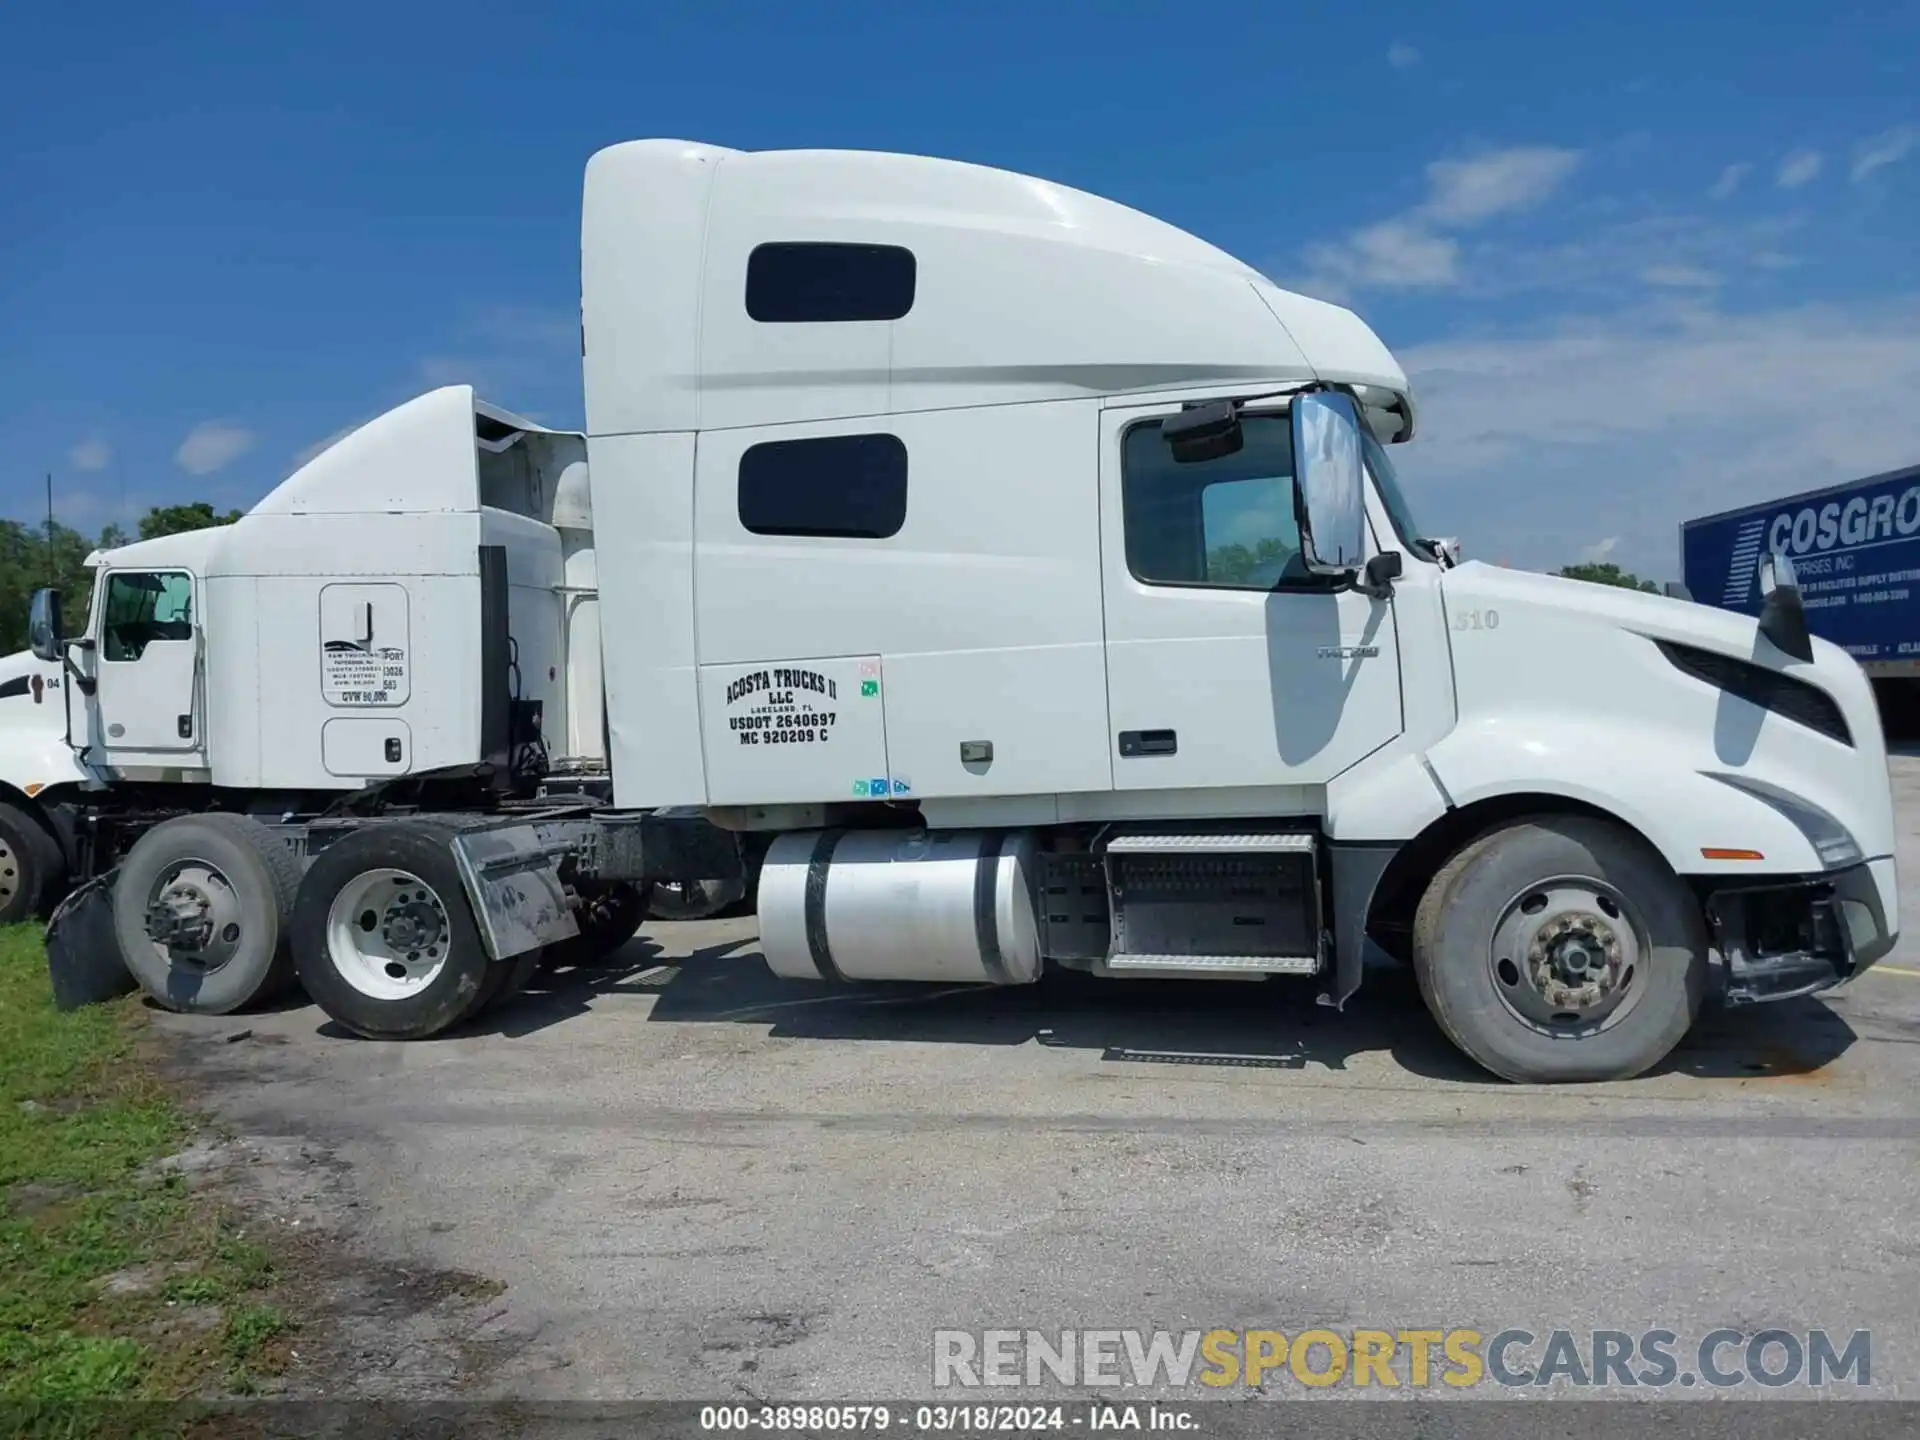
(1642, 262)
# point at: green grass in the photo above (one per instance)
(82, 1119)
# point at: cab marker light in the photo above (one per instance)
(1711, 852)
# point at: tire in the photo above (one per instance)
(1607, 998)
(496, 984)
(694, 899)
(228, 883)
(521, 970)
(420, 966)
(611, 916)
(32, 870)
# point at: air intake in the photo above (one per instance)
(1794, 699)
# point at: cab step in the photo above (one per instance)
(1250, 964)
(1278, 843)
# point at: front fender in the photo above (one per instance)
(33, 761)
(1681, 810)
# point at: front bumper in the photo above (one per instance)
(1782, 938)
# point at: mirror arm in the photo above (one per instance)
(1375, 579)
(87, 683)
(1783, 620)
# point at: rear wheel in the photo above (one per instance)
(609, 916)
(31, 868)
(383, 937)
(694, 899)
(1561, 948)
(200, 911)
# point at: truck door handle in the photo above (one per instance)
(1148, 742)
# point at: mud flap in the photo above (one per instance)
(83, 953)
(518, 900)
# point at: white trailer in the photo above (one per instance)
(1013, 581)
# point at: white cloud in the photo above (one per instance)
(1680, 276)
(1402, 56)
(1798, 168)
(1467, 192)
(1395, 254)
(212, 445)
(1729, 181)
(1646, 418)
(1883, 150)
(1412, 250)
(1601, 549)
(92, 453)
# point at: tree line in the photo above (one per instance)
(1608, 574)
(54, 554)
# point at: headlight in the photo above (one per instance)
(1831, 840)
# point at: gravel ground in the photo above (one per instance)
(696, 1181)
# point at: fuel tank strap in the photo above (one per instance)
(816, 904)
(986, 923)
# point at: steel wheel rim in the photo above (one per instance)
(1568, 957)
(9, 873)
(194, 917)
(387, 934)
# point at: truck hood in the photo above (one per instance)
(1656, 616)
(25, 662)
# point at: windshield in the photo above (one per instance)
(1385, 477)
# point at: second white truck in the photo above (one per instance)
(1008, 580)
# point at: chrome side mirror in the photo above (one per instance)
(44, 635)
(1329, 478)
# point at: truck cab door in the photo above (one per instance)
(1228, 664)
(146, 663)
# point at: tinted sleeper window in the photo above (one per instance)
(802, 282)
(851, 486)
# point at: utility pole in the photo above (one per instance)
(52, 577)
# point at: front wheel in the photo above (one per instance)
(1561, 948)
(31, 870)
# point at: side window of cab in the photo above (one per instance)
(1222, 524)
(141, 607)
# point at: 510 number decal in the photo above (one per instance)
(1477, 620)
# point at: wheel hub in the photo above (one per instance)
(9, 872)
(194, 915)
(387, 933)
(412, 922)
(1565, 957)
(182, 917)
(1575, 961)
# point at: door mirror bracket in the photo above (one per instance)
(1376, 577)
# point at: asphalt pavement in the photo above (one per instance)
(698, 1181)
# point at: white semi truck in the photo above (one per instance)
(1010, 580)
